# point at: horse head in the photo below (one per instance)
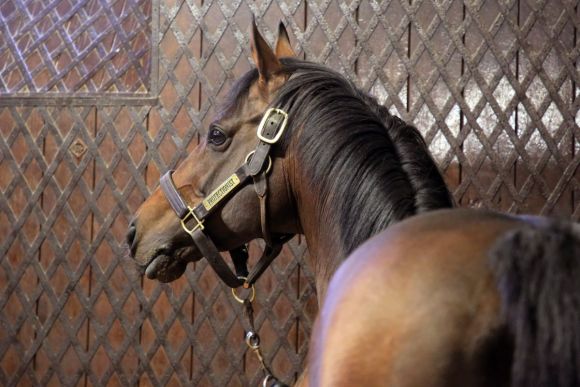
(160, 242)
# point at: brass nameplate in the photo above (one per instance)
(220, 192)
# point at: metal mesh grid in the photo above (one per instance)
(493, 86)
(68, 47)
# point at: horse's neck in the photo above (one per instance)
(324, 253)
(353, 181)
(323, 236)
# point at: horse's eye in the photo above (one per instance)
(216, 136)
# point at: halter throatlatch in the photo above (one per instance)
(257, 165)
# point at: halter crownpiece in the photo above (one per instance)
(256, 166)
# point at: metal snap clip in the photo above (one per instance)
(253, 340)
(266, 380)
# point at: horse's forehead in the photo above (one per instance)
(255, 99)
(260, 94)
(250, 95)
(244, 107)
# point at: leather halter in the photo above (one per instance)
(256, 167)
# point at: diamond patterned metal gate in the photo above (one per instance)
(98, 97)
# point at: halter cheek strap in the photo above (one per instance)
(256, 167)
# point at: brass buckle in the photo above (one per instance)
(280, 130)
(187, 217)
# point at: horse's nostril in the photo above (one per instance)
(131, 237)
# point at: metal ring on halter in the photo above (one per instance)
(252, 292)
(249, 156)
(266, 379)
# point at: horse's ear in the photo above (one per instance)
(263, 56)
(283, 47)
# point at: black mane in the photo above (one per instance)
(354, 153)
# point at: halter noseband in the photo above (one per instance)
(256, 166)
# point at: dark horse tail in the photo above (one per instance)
(538, 275)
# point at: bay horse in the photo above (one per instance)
(329, 162)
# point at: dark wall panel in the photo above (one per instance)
(99, 97)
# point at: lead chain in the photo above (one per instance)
(253, 342)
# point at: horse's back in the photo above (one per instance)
(413, 305)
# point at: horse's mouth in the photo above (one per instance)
(167, 266)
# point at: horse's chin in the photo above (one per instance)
(169, 266)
